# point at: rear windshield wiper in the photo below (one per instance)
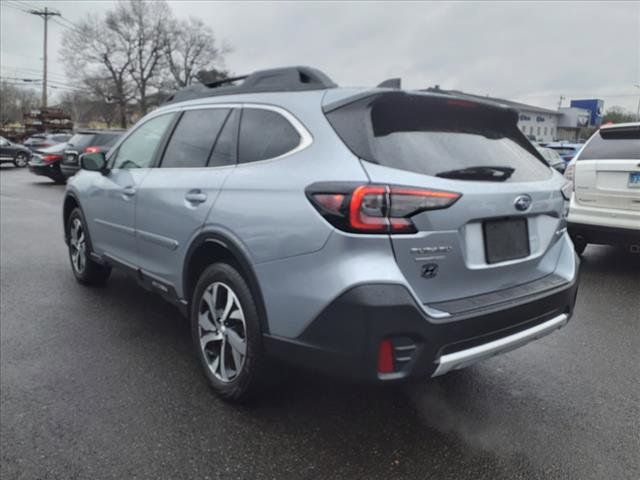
(489, 174)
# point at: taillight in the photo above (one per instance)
(373, 208)
(51, 158)
(92, 150)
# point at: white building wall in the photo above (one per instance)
(543, 127)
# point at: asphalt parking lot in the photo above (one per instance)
(102, 383)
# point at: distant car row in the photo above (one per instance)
(56, 155)
(59, 162)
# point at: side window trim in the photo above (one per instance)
(162, 146)
(229, 118)
(164, 143)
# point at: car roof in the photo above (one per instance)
(293, 88)
(97, 131)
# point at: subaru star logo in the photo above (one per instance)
(522, 203)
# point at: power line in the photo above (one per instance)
(6, 4)
(31, 71)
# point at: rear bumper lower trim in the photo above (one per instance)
(464, 358)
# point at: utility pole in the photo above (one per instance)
(560, 102)
(45, 13)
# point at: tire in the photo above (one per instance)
(21, 159)
(232, 337)
(86, 270)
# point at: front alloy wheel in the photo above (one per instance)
(78, 246)
(222, 331)
(86, 270)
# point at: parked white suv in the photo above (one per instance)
(605, 175)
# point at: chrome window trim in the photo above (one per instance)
(306, 139)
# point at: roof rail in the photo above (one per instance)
(286, 79)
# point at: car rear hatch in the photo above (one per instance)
(76, 145)
(501, 231)
(607, 171)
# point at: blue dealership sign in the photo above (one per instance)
(595, 106)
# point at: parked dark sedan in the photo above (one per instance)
(15, 153)
(46, 162)
(86, 141)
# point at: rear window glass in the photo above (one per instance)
(564, 150)
(265, 134)
(61, 138)
(442, 137)
(105, 139)
(80, 141)
(610, 144)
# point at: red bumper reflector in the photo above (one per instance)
(385, 357)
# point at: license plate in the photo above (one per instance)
(634, 180)
(506, 239)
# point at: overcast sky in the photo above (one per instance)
(529, 52)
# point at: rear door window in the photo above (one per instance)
(443, 137)
(193, 139)
(613, 144)
(265, 134)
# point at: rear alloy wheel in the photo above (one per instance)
(78, 246)
(226, 332)
(223, 331)
(86, 270)
(21, 160)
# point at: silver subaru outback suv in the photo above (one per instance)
(374, 233)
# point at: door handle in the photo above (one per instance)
(196, 196)
(129, 191)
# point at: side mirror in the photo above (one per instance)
(94, 162)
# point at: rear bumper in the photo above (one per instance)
(604, 235)
(344, 338)
(51, 170)
(68, 170)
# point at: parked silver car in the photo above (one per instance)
(377, 234)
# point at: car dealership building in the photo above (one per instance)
(544, 125)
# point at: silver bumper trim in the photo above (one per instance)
(464, 358)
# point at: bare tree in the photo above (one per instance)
(14, 101)
(190, 48)
(143, 51)
(91, 50)
(142, 25)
